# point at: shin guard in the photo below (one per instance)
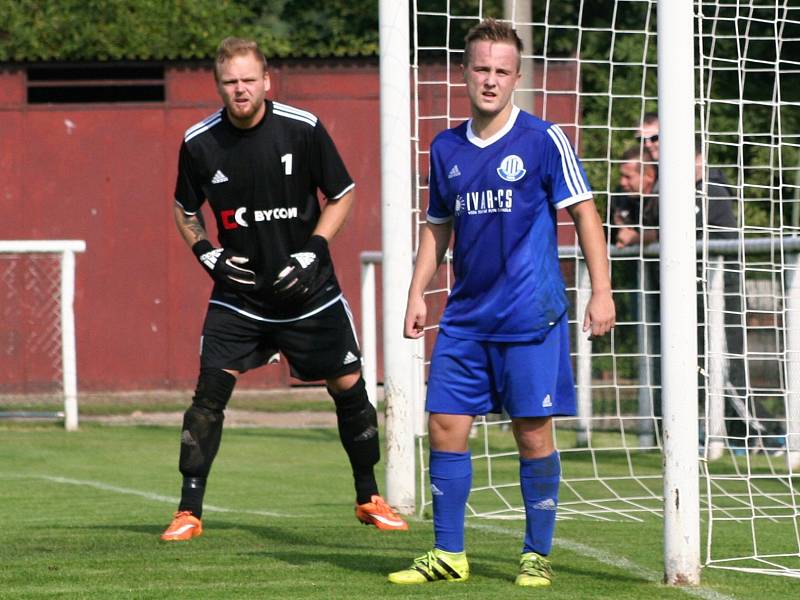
(201, 434)
(358, 431)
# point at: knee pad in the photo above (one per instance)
(214, 389)
(358, 424)
(202, 422)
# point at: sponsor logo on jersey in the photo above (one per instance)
(233, 218)
(454, 172)
(484, 202)
(512, 168)
(547, 402)
(219, 177)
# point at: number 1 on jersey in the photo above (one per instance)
(286, 159)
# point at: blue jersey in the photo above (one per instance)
(502, 194)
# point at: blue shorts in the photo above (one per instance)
(469, 377)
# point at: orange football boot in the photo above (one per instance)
(377, 512)
(184, 526)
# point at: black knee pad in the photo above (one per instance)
(202, 422)
(214, 389)
(358, 425)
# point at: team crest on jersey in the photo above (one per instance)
(458, 207)
(512, 168)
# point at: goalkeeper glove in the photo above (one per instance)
(296, 280)
(225, 267)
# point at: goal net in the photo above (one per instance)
(37, 330)
(591, 67)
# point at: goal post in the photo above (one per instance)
(62, 294)
(400, 379)
(678, 292)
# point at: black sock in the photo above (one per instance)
(358, 431)
(366, 486)
(192, 493)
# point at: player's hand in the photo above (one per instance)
(416, 313)
(296, 280)
(600, 315)
(225, 267)
(627, 236)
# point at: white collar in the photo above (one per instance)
(480, 143)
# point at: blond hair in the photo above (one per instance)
(492, 30)
(235, 46)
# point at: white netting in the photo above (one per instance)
(591, 68)
(37, 332)
(749, 113)
(30, 324)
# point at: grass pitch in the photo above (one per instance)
(82, 513)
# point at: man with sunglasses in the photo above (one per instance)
(648, 134)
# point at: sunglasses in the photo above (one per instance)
(651, 138)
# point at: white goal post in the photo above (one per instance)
(63, 295)
(701, 373)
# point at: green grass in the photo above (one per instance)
(82, 513)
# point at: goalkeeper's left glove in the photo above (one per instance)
(296, 280)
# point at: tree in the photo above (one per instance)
(90, 30)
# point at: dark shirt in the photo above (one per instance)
(642, 210)
(261, 184)
(721, 218)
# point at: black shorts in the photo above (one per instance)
(320, 346)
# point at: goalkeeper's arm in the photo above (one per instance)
(189, 226)
(222, 265)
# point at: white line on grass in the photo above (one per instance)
(576, 547)
(614, 561)
(150, 496)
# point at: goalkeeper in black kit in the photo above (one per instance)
(259, 164)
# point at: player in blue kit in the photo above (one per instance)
(495, 183)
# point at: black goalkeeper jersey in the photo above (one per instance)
(261, 184)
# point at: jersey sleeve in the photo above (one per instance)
(188, 192)
(562, 169)
(328, 170)
(438, 209)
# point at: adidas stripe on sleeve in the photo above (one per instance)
(568, 180)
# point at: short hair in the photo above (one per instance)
(492, 30)
(236, 46)
(649, 117)
(640, 155)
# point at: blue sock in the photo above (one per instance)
(451, 479)
(539, 479)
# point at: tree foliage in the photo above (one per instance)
(78, 30)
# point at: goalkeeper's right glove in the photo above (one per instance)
(225, 267)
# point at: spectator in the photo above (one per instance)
(636, 214)
(648, 134)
